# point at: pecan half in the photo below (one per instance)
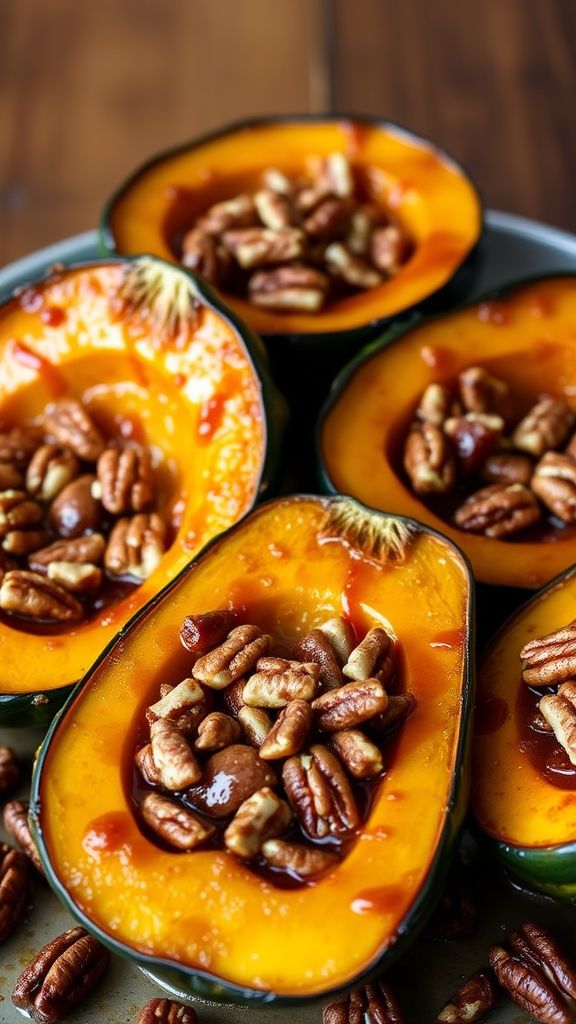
(529, 988)
(559, 710)
(546, 426)
(23, 542)
(16, 824)
(480, 392)
(350, 705)
(61, 976)
(125, 478)
(472, 1002)
(329, 219)
(399, 706)
(474, 437)
(554, 482)
(236, 656)
(550, 659)
(83, 550)
(389, 248)
(257, 247)
(144, 761)
(19, 444)
(277, 181)
(350, 268)
(262, 816)
(359, 234)
(9, 770)
(507, 468)
(319, 791)
(341, 636)
(186, 705)
(316, 646)
(75, 510)
(217, 731)
(203, 253)
(73, 576)
(18, 511)
(545, 948)
(230, 776)
(175, 763)
(238, 212)
(70, 423)
(374, 1003)
(361, 757)
(199, 633)
(256, 724)
(33, 596)
(289, 732)
(136, 546)
(428, 460)
(14, 888)
(373, 658)
(298, 288)
(178, 826)
(279, 681)
(437, 404)
(167, 1011)
(304, 862)
(498, 511)
(336, 174)
(52, 467)
(274, 209)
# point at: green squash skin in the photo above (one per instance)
(336, 346)
(38, 708)
(200, 983)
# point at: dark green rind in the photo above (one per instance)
(38, 708)
(202, 983)
(337, 345)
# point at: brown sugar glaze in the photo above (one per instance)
(542, 748)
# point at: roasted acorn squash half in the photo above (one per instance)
(204, 919)
(525, 336)
(156, 358)
(523, 784)
(429, 195)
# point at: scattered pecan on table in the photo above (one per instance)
(373, 1004)
(14, 888)
(166, 1011)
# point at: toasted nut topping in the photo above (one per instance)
(232, 697)
(256, 724)
(175, 824)
(389, 249)
(203, 253)
(277, 181)
(75, 510)
(359, 232)
(88, 549)
(428, 460)
(370, 1003)
(472, 1002)
(70, 424)
(550, 659)
(175, 763)
(329, 219)
(373, 657)
(136, 546)
(498, 511)
(19, 444)
(554, 482)
(73, 576)
(361, 757)
(60, 976)
(256, 247)
(350, 705)
(507, 468)
(238, 212)
(289, 732)
(18, 511)
(437, 405)
(398, 708)
(16, 824)
(336, 174)
(279, 681)
(217, 731)
(9, 770)
(233, 658)
(319, 792)
(262, 816)
(33, 596)
(199, 633)
(125, 477)
(351, 268)
(474, 437)
(14, 888)
(289, 288)
(23, 542)
(480, 392)
(305, 862)
(230, 777)
(316, 646)
(184, 704)
(274, 209)
(559, 709)
(167, 1011)
(529, 988)
(341, 636)
(546, 426)
(145, 764)
(11, 476)
(52, 467)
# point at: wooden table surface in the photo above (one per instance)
(88, 90)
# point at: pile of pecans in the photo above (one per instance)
(264, 721)
(550, 661)
(464, 440)
(76, 515)
(298, 242)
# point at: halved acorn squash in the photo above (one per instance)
(523, 797)
(524, 335)
(156, 358)
(204, 919)
(425, 190)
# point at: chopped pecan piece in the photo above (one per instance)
(550, 659)
(19, 444)
(61, 976)
(360, 228)
(474, 437)
(279, 681)
(230, 776)
(256, 724)
(257, 247)
(136, 546)
(274, 209)
(350, 705)
(399, 706)
(9, 770)
(554, 482)
(498, 511)
(351, 268)
(52, 467)
(546, 426)
(559, 709)
(480, 392)
(305, 862)
(88, 549)
(125, 478)
(507, 468)
(320, 793)
(14, 888)
(373, 658)
(217, 731)
(472, 1002)
(262, 816)
(18, 511)
(298, 288)
(73, 576)
(437, 405)
(289, 732)
(389, 248)
(144, 761)
(175, 824)
(341, 636)
(23, 542)
(16, 824)
(236, 656)
(70, 423)
(428, 460)
(33, 596)
(203, 253)
(329, 218)
(529, 988)
(199, 633)
(316, 646)
(167, 1011)
(361, 757)
(238, 212)
(175, 763)
(75, 510)
(374, 1003)
(277, 181)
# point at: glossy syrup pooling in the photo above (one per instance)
(542, 748)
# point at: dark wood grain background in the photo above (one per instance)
(88, 90)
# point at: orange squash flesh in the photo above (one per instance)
(422, 187)
(206, 911)
(527, 338)
(196, 400)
